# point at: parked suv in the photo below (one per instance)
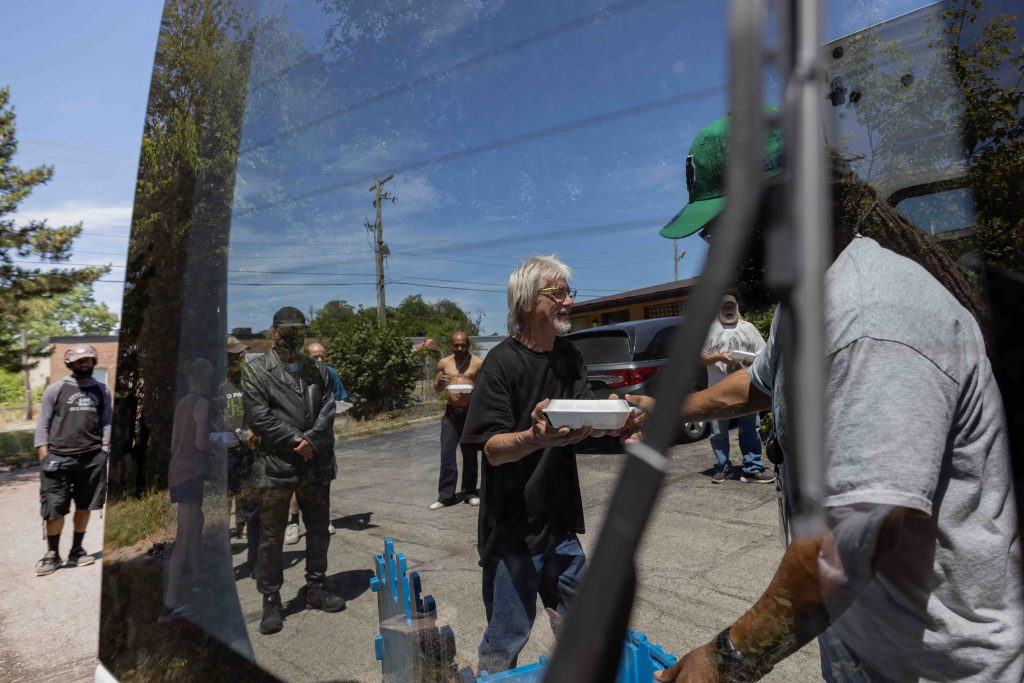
(627, 358)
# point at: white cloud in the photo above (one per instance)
(105, 218)
(456, 16)
(105, 229)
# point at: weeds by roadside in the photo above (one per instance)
(16, 448)
(130, 520)
(387, 422)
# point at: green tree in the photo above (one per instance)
(332, 318)
(377, 366)
(73, 313)
(177, 255)
(32, 240)
(989, 70)
(415, 317)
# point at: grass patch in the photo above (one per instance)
(387, 422)
(16, 448)
(131, 520)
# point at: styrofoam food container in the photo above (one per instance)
(742, 356)
(460, 388)
(599, 414)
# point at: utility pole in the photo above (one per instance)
(25, 372)
(677, 256)
(380, 249)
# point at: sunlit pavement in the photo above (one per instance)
(708, 554)
(49, 625)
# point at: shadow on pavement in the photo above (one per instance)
(350, 584)
(357, 522)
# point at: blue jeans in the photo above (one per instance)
(451, 432)
(750, 444)
(511, 586)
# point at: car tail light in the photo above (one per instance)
(629, 377)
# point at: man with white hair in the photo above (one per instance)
(531, 509)
(730, 332)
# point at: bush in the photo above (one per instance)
(12, 388)
(376, 365)
(762, 321)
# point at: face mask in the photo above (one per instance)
(292, 342)
(82, 373)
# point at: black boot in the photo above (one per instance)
(318, 597)
(273, 619)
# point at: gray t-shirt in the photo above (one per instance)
(914, 418)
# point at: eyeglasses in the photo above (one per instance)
(559, 293)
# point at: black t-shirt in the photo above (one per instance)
(526, 504)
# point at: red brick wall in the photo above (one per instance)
(107, 351)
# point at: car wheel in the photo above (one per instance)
(693, 431)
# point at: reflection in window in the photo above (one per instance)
(940, 213)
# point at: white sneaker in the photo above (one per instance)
(437, 505)
(475, 500)
(330, 528)
(291, 534)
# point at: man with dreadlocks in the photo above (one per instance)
(918, 575)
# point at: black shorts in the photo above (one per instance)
(189, 492)
(63, 478)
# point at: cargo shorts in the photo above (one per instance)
(63, 478)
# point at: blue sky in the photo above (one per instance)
(502, 157)
(79, 75)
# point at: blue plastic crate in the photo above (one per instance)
(411, 647)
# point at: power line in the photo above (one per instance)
(502, 285)
(359, 284)
(530, 136)
(437, 74)
(404, 280)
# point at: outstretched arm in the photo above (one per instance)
(734, 396)
(818, 579)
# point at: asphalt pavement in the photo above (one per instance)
(708, 554)
(48, 624)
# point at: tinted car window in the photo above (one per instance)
(607, 347)
(660, 345)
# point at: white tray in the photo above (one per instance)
(742, 356)
(460, 388)
(607, 414)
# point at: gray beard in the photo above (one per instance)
(729, 321)
(562, 328)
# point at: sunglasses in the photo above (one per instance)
(559, 293)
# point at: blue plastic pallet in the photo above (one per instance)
(413, 649)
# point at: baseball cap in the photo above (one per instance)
(705, 177)
(289, 316)
(80, 351)
(235, 346)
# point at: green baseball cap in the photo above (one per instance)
(705, 177)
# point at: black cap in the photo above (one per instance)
(289, 316)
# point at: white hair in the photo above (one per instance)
(525, 283)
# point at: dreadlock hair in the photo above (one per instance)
(857, 208)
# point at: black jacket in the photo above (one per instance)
(279, 408)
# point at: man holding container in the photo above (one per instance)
(531, 509)
(456, 373)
